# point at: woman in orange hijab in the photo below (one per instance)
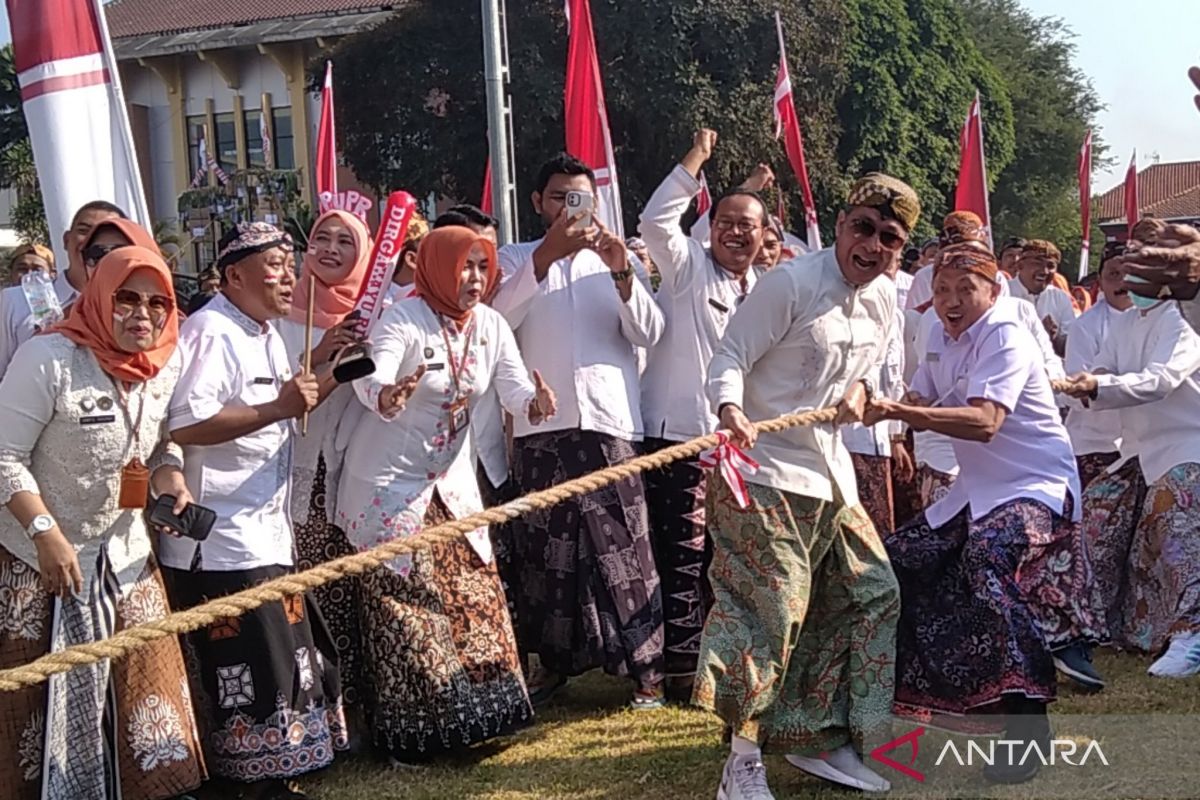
(410, 464)
(85, 411)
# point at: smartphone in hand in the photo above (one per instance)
(581, 203)
(195, 522)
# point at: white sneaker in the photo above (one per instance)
(1182, 658)
(842, 766)
(744, 778)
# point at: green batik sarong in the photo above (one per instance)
(799, 649)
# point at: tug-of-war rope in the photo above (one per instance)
(235, 605)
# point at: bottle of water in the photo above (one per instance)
(42, 299)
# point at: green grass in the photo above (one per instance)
(587, 746)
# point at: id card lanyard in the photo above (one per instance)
(135, 476)
(460, 411)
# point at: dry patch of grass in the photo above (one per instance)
(587, 746)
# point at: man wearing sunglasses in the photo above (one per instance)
(17, 324)
(800, 571)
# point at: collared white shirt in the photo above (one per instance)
(697, 298)
(1191, 312)
(16, 318)
(1051, 302)
(1153, 357)
(1091, 431)
(904, 283)
(877, 439)
(230, 360)
(921, 290)
(799, 342)
(573, 328)
(1030, 457)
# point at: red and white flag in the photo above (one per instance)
(1131, 195)
(264, 133)
(75, 110)
(787, 125)
(485, 205)
(588, 137)
(702, 228)
(971, 193)
(1085, 202)
(327, 184)
(733, 464)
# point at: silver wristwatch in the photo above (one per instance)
(41, 524)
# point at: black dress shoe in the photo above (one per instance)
(1027, 722)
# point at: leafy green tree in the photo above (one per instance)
(17, 168)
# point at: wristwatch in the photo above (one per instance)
(621, 276)
(41, 524)
(869, 386)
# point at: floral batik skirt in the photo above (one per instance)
(1093, 465)
(798, 650)
(1146, 545)
(441, 652)
(55, 737)
(874, 476)
(932, 485)
(983, 604)
(268, 697)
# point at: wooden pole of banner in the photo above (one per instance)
(308, 337)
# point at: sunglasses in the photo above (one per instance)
(863, 229)
(126, 300)
(93, 253)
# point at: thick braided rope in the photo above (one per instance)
(235, 605)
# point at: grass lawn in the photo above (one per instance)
(586, 746)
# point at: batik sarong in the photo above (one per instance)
(1146, 545)
(589, 591)
(798, 649)
(682, 553)
(141, 701)
(441, 652)
(874, 475)
(932, 486)
(1093, 465)
(266, 685)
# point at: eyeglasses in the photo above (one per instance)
(863, 229)
(126, 300)
(740, 225)
(93, 253)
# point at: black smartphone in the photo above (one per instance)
(195, 522)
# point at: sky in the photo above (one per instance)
(1137, 56)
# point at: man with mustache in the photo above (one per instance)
(1036, 266)
(701, 289)
(798, 651)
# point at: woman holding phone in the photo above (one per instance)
(75, 558)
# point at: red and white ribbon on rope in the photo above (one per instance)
(733, 465)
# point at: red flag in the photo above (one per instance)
(486, 204)
(75, 110)
(787, 124)
(1131, 195)
(588, 136)
(972, 192)
(1085, 201)
(327, 184)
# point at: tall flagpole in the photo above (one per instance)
(495, 75)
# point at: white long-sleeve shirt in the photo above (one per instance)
(877, 439)
(16, 318)
(803, 337)
(1091, 431)
(574, 329)
(697, 298)
(921, 290)
(1152, 357)
(1051, 302)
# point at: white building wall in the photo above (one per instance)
(144, 88)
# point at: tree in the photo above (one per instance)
(17, 168)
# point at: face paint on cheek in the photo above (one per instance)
(271, 280)
(121, 317)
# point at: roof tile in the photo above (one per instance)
(145, 17)
(1168, 191)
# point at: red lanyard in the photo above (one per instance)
(456, 369)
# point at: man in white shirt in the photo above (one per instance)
(701, 289)
(920, 292)
(589, 593)
(1010, 253)
(16, 319)
(805, 602)
(1036, 266)
(1096, 435)
(270, 675)
(993, 576)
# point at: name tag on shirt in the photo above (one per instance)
(102, 419)
(718, 305)
(264, 381)
(933, 356)
(434, 367)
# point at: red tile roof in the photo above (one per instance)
(1167, 191)
(144, 17)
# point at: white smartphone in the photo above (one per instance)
(581, 203)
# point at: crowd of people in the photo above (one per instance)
(1009, 483)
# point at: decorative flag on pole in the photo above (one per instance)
(787, 124)
(1085, 201)
(485, 205)
(264, 133)
(207, 162)
(1131, 195)
(588, 136)
(75, 110)
(326, 145)
(702, 229)
(972, 191)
